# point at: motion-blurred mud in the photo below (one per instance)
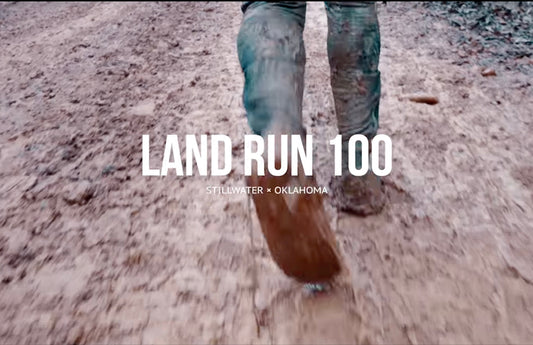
(93, 252)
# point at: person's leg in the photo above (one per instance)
(272, 56)
(353, 51)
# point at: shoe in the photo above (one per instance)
(296, 230)
(296, 227)
(360, 195)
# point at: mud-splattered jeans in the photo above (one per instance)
(272, 55)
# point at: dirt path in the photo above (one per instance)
(92, 252)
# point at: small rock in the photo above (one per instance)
(78, 192)
(29, 183)
(101, 102)
(488, 72)
(108, 169)
(421, 98)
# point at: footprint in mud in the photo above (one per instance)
(297, 317)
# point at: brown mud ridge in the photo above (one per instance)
(93, 252)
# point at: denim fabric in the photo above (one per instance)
(272, 55)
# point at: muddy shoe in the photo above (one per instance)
(296, 226)
(296, 229)
(360, 195)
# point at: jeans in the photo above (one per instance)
(272, 56)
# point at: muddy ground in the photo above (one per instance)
(93, 252)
